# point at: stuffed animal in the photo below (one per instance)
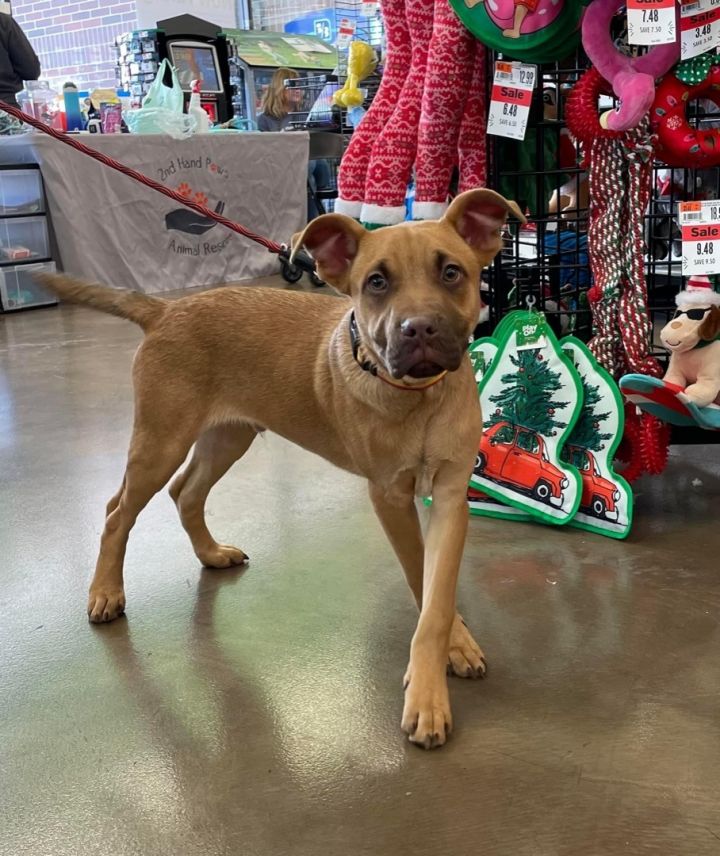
(693, 339)
(632, 78)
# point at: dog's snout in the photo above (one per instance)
(418, 327)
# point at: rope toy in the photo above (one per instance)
(581, 112)
(620, 172)
(679, 144)
(632, 78)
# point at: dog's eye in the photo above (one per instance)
(376, 282)
(451, 274)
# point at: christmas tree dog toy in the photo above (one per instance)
(689, 394)
(607, 502)
(531, 399)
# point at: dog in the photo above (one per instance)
(693, 338)
(378, 383)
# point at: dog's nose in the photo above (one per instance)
(676, 325)
(418, 327)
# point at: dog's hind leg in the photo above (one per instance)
(153, 458)
(215, 452)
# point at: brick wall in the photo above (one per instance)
(75, 40)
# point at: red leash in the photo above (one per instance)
(270, 245)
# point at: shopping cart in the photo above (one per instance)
(311, 99)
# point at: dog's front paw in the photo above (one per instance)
(222, 556)
(466, 659)
(105, 604)
(426, 719)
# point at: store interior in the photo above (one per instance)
(256, 708)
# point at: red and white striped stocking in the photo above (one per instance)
(449, 68)
(393, 153)
(353, 169)
(472, 152)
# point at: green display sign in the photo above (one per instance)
(262, 48)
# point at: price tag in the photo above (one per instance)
(513, 86)
(346, 31)
(699, 27)
(370, 8)
(700, 225)
(651, 22)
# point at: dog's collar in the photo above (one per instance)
(368, 366)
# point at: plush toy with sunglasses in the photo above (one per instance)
(693, 338)
(689, 394)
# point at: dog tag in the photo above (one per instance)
(651, 22)
(700, 225)
(513, 86)
(699, 27)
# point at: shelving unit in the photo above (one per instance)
(24, 238)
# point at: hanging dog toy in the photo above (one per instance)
(679, 144)
(632, 78)
(620, 170)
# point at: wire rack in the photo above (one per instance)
(548, 263)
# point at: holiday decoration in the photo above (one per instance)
(451, 55)
(471, 146)
(531, 30)
(689, 394)
(429, 114)
(531, 398)
(632, 78)
(353, 172)
(606, 503)
(395, 146)
(679, 144)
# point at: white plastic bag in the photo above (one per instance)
(168, 97)
(159, 120)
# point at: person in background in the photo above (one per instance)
(18, 61)
(277, 104)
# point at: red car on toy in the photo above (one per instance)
(516, 456)
(599, 496)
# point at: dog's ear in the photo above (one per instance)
(710, 327)
(478, 215)
(333, 241)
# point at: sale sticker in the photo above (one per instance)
(512, 91)
(346, 31)
(700, 226)
(651, 22)
(699, 28)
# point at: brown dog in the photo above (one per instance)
(379, 384)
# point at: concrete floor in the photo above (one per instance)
(257, 712)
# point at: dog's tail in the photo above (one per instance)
(132, 305)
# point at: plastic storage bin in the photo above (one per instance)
(18, 289)
(21, 192)
(23, 239)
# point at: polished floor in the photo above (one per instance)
(257, 712)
